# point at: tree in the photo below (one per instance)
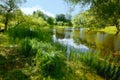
(17, 17)
(39, 13)
(7, 6)
(60, 17)
(86, 19)
(106, 10)
(50, 20)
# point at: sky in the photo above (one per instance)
(49, 7)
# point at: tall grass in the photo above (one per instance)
(104, 67)
(21, 32)
(49, 58)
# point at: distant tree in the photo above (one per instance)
(39, 13)
(7, 6)
(60, 17)
(87, 19)
(50, 20)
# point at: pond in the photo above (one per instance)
(83, 40)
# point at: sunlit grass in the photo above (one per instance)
(109, 29)
(103, 66)
(56, 26)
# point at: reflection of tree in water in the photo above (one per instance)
(60, 33)
(100, 41)
(60, 36)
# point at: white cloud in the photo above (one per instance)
(30, 10)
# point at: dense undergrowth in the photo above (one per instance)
(33, 56)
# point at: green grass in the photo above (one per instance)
(104, 67)
(56, 26)
(109, 29)
(36, 57)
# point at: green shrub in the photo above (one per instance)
(21, 32)
(51, 64)
(25, 47)
(11, 59)
(60, 23)
(15, 75)
(2, 64)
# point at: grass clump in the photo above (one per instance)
(102, 66)
(51, 64)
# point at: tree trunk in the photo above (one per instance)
(6, 20)
(118, 29)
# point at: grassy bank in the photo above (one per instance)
(56, 26)
(29, 54)
(110, 30)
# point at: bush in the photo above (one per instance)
(21, 32)
(2, 64)
(51, 64)
(60, 23)
(25, 47)
(15, 75)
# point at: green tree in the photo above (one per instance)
(17, 18)
(60, 17)
(86, 19)
(50, 20)
(39, 13)
(106, 10)
(7, 6)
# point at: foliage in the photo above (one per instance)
(39, 13)
(50, 20)
(19, 32)
(45, 17)
(1, 25)
(63, 20)
(25, 47)
(17, 17)
(105, 10)
(38, 22)
(60, 17)
(22, 31)
(7, 7)
(2, 64)
(50, 64)
(16, 75)
(60, 23)
(102, 67)
(87, 19)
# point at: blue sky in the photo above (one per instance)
(50, 7)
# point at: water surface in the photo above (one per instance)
(84, 40)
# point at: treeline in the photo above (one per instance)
(11, 15)
(100, 13)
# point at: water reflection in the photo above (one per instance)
(82, 39)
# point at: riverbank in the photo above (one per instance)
(31, 54)
(108, 29)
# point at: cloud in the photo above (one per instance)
(30, 10)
